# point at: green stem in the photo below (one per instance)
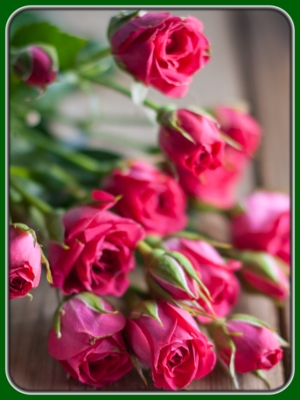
(123, 90)
(40, 204)
(76, 158)
(103, 53)
(144, 248)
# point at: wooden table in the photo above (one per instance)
(258, 42)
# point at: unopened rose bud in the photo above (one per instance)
(25, 261)
(249, 342)
(36, 65)
(265, 273)
(190, 140)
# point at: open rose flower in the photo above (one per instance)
(159, 49)
(24, 262)
(89, 344)
(239, 126)
(190, 140)
(216, 274)
(35, 66)
(265, 224)
(256, 348)
(100, 249)
(151, 198)
(167, 340)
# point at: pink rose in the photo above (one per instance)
(100, 249)
(24, 262)
(149, 197)
(159, 49)
(89, 345)
(266, 274)
(170, 344)
(190, 140)
(35, 66)
(216, 274)
(257, 348)
(216, 187)
(240, 126)
(265, 224)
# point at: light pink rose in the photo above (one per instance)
(35, 66)
(149, 197)
(176, 351)
(257, 348)
(216, 274)
(24, 262)
(265, 224)
(100, 253)
(159, 49)
(91, 347)
(203, 152)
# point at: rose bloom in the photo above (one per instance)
(35, 67)
(239, 126)
(216, 274)
(100, 249)
(161, 50)
(91, 347)
(217, 187)
(24, 262)
(204, 152)
(149, 197)
(176, 351)
(257, 348)
(265, 224)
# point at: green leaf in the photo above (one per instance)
(139, 92)
(55, 226)
(94, 302)
(148, 307)
(67, 46)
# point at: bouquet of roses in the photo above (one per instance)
(92, 218)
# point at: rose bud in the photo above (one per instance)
(265, 273)
(171, 276)
(159, 49)
(99, 252)
(25, 261)
(36, 65)
(191, 141)
(149, 197)
(265, 224)
(239, 126)
(166, 339)
(215, 274)
(87, 340)
(252, 344)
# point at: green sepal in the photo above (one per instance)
(259, 262)
(158, 291)
(148, 307)
(94, 302)
(30, 296)
(198, 236)
(119, 20)
(26, 228)
(231, 142)
(263, 377)
(168, 118)
(55, 226)
(138, 368)
(46, 262)
(56, 323)
(250, 319)
(22, 62)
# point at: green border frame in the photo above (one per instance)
(12, 7)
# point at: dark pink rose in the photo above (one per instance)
(149, 197)
(100, 249)
(216, 274)
(90, 345)
(174, 348)
(266, 274)
(217, 187)
(159, 49)
(24, 262)
(240, 126)
(257, 348)
(265, 224)
(201, 150)
(35, 66)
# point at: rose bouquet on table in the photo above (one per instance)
(98, 215)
